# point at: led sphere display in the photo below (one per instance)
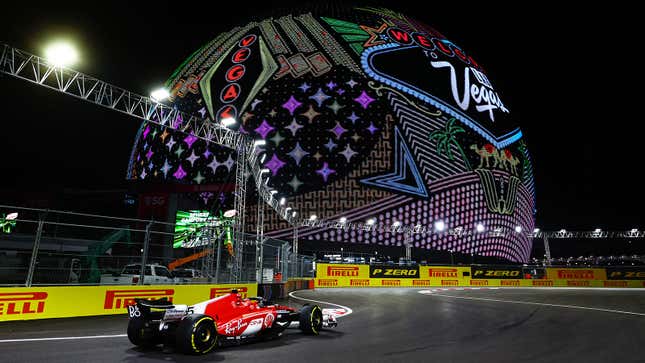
(365, 114)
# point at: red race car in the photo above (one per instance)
(197, 329)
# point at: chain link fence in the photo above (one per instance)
(46, 247)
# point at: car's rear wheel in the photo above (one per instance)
(141, 334)
(311, 319)
(196, 334)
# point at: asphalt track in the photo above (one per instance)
(390, 325)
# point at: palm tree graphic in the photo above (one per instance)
(446, 137)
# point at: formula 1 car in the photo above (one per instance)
(197, 329)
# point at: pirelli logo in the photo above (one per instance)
(449, 283)
(219, 291)
(327, 282)
(614, 283)
(578, 283)
(509, 282)
(14, 303)
(119, 299)
(479, 282)
(576, 274)
(443, 272)
(543, 283)
(390, 282)
(361, 282)
(342, 271)
(420, 282)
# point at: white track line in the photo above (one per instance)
(349, 311)
(63, 338)
(541, 304)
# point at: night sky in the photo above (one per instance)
(570, 77)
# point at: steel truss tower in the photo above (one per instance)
(29, 67)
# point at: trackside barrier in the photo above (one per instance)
(29, 303)
(341, 275)
(281, 290)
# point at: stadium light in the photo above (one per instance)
(634, 230)
(294, 214)
(259, 143)
(159, 94)
(283, 201)
(61, 54)
(396, 224)
(313, 217)
(597, 230)
(563, 231)
(371, 221)
(230, 213)
(439, 226)
(264, 171)
(228, 121)
(480, 227)
(11, 216)
(536, 230)
(273, 191)
(518, 229)
(342, 220)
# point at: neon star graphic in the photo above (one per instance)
(274, 164)
(179, 151)
(351, 83)
(166, 167)
(348, 153)
(372, 129)
(338, 130)
(199, 178)
(304, 87)
(291, 105)
(180, 173)
(264, 129)
(277, 138)
(335, 107)
(214, 165)
(163, 135)
(353, 118)
(325, 171)
(294, 127)
(298, 153)
(207, 153)
(192, 158)
(170, 143)
(364, 99)
(320, 97)
(190, 140)
(295, 183)
(311, 114)
(330, 145)
(229, 163)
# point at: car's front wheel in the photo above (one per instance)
(196, 334)
(311, 319)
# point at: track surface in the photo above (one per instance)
(392, 325)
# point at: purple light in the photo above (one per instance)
(264, 129)
(180, 173)
(364, 99)
(292, 104)
(274, 164)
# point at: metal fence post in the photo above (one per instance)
(34, 252)
(219, 256)
(144, 255)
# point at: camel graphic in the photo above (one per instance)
(502, 159)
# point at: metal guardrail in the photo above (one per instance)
(47, 247)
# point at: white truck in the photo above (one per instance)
(154, 275)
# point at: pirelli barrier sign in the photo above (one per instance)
(71, 301)
(337, 275)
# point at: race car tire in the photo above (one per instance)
(140, 334)
(196, 334)
(311, 319)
